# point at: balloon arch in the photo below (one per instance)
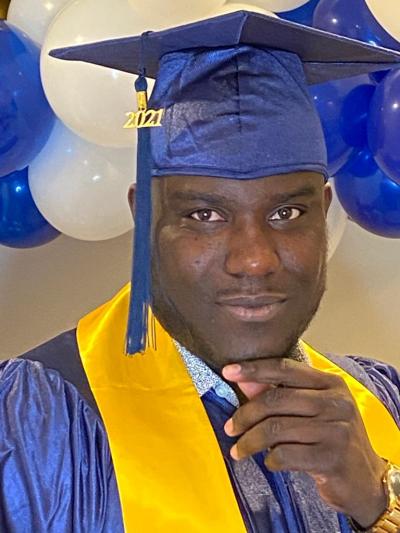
(63, 152)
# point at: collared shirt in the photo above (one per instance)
(205, 379)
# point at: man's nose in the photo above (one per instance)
(252, 251)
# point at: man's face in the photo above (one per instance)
(239, 266)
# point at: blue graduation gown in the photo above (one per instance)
(56, 470)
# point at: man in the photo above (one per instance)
(227, 420)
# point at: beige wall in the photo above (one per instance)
(45, 290)
(360, 312)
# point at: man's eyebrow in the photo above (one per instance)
(194, 196)
(281, 198)
(211, 197)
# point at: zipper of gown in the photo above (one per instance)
(248, 519)
(297, 515)
(281, 492)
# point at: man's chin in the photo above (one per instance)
(218, 355)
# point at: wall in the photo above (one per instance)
(45, 290)
(360, 312)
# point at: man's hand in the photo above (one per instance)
(310, 423)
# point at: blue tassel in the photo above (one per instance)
(137, 334)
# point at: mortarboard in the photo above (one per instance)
(233, 81)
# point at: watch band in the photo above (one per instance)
(389, 522)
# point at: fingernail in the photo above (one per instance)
(231, 370)
(234, 453)
(229, 427)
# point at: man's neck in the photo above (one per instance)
(201, 370)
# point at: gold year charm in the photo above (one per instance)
(143, 117)
(149, 118)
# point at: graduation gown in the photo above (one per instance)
(57, 473)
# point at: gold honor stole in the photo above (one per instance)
(170, 472)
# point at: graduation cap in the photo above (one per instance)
(231, 100)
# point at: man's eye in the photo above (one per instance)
(206, 215)
(286, 213)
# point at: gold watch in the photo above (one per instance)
(389, 522)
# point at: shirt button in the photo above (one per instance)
(220, 390)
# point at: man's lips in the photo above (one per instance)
(253, 308)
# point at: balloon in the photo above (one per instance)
(34, 16)
(337, 222)
(370, 198)
(303, 14)
(343, 108)
(387, 13)
(378, 76)
(355, 111)
(91, 100)
(81, 188)
(232, 7)
(277, 5)
(353, 19)
(21, 224)
(169, 13)
(3, 8)
(384, 125)
(26, 119)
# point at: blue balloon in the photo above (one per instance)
(379, 76)
(301, 15)
(370, 198)
(352, 18)
(343, 108)
(355, 111)
(21, 224)
(26, 119)
(384, 125)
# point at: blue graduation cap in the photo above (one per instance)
(231, 100)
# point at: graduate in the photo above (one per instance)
(209, 413)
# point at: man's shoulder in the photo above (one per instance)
(63, 345)
(54, 451)
(379, 377)
(370, 371)
(41, 400)
(61, 355)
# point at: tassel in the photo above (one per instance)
(137, 334)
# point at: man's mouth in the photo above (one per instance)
(254, 308)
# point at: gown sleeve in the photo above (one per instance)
(56, 470)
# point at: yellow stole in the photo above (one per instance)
(170, 473)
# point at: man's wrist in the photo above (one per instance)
(373, 507)
(367, 520)
(389, 519)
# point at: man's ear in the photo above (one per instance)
(132, 198)
(327, 197)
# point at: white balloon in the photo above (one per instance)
(278, 6)
(231, 7)
(387, 13)
(337, 222)
(91, 100)
(170, 13)
(81, 188)
(34, 16)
